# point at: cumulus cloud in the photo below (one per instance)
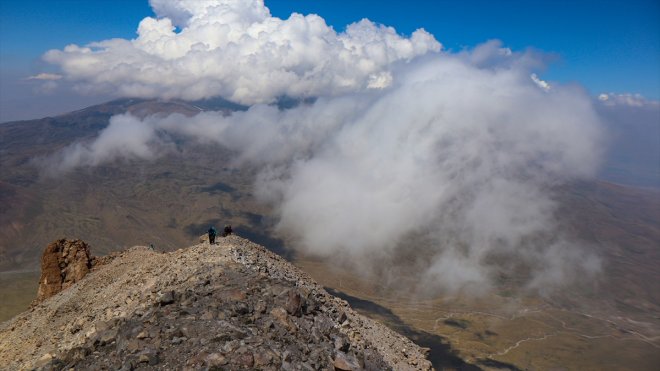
(463, 150)
(236, 49)
(405, 151)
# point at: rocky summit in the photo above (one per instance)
(233, 305)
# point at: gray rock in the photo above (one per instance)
(341, 344)
(294, 303)
(166, 298)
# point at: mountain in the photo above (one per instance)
(232, 305)
(94, 204)
(608, 323)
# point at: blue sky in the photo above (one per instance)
(606, 46)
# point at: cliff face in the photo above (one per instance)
(234, 305)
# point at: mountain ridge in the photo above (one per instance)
(233, 305)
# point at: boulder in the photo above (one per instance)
(63, 263)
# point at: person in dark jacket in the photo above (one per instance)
(227, 231)
(212, 234)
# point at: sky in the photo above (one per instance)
(605, 46)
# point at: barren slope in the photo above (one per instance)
(233, 305)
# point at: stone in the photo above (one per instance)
(216, 359)
(44, 360)
(341, 344)
(280, 315)
(241, 308)
(63, 263)
(246, 360)
(178, 340)
(263, 358)
(342, 317)
(294, 303)
(149, 356)
(166, 298)
(261, 307)
(345, 362)
(105, 337)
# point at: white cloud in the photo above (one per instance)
(125, 138)
(236, 49)
(541, 83)
(461, 149)
(45, 76)
(627, 99)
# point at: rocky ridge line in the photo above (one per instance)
(234, 305)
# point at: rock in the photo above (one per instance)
(149, 356)
(132, 346)
(44, 360)
(261, 307)
(241, 308)
(216, 359)
(263, 358)
(280, 315)
(341, 344)
(236, 295)
(342, 317)
(166, 298)
(63, 263)
(245, 360)
(294, 303)
(105, 337)
(178, 340)
(207, 315)
(345, 362)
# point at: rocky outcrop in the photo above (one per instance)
(234, 305)
(63, 263)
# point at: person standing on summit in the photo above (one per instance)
(212, 234)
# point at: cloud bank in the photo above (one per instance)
(459, 150)
(236, 49)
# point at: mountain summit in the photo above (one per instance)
(234, 305)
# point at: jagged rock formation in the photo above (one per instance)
(63, 263)
(231, 306)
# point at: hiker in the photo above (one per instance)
(227, 231)
(212, 234)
